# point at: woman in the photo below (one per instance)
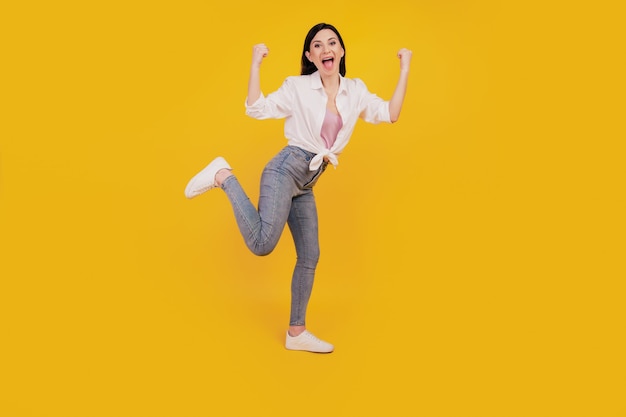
(320, 108)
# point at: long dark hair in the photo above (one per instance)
(307, 66)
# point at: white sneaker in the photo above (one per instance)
(205, 179)
(307, 341)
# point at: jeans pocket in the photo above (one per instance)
(300, 154)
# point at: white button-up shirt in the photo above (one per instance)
(301, 100)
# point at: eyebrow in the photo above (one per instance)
(329, 39)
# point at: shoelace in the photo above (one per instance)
(312, 337)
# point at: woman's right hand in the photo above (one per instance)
(259, 51)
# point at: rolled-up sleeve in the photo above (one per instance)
(375, 109)
(276, 105)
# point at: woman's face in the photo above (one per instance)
(325, 52)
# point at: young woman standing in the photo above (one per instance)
(320, 108)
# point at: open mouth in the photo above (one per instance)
(328, 62)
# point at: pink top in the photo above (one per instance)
(331, 126)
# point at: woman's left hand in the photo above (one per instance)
(405, 58)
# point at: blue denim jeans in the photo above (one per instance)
(286, 197)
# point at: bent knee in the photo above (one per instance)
(263, 250)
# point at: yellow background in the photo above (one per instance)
(472, 254)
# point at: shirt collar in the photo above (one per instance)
(316, 82)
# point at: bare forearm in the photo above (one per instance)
(397, 99)
(259, 52)
(254, 85)
(395, 104)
